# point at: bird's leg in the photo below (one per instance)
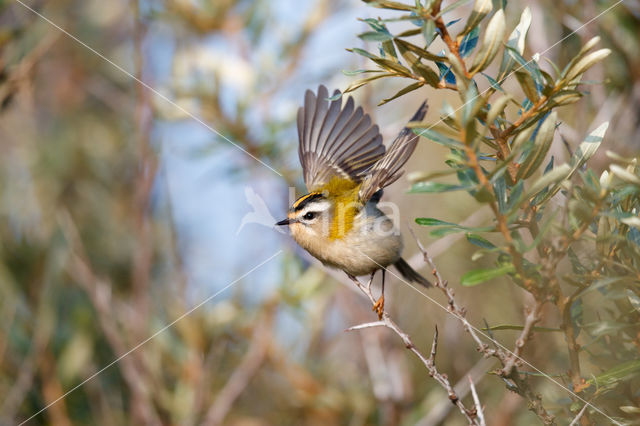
(373, 274)
(378, 307)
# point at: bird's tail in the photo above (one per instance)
(409, 273)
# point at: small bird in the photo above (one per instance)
(345, 167)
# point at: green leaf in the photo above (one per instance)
(390, 65)
(497, 108)
(516, 40)
(565, 97)
(458, 69)
(624, 174)
(375, 36)
(481, 8)
(491, 43)
(404, 91)
(437, 137)
(478, 276)
(619, 373)
(356, 72)
(528, 85)
(554, 176)
(479, 241)
(414, 177)
(469, 42)
(429, 32)
(429, 187)
(359, 83)
(494, 83)
(403, 44)
(500, 190)
(588, 147)
(519, 327)
(519, 34)
(532, 69)
(387, 4)
(452, 6)
(585, 63)
(362, 52)
(430, 76)
(430, 221)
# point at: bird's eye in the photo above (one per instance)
(309, 216)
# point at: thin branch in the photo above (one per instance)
(476, 401)
(459, 312)
(506, 359)
(533, 316)
(428, 362)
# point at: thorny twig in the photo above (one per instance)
(506, 359)
(429, 362)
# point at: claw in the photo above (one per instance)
(378, 307)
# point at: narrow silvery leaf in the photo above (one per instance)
(491, 43)
(542, 143)
(469, 109)
(588, 147)
(429, 32)
(521, 138)
(516, 41)
(555, 176)
(528, 85)
(585, 49)
(404, 91)
(624, 174)
(517, 37)
(481, 8)
(586, 63)
(469, 42)
(458, 70)
(497, 107)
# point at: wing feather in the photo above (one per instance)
(387, 170)
(335, 140)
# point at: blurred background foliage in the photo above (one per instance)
(122, 209)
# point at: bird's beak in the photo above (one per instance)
(284, 222)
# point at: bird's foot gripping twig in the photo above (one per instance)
(378, 307)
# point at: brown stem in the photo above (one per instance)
(446, 37)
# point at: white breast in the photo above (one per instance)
(372, 244)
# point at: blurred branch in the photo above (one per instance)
(142, 254)
(99, 292)
(248, 367)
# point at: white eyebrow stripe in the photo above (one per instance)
(316, 206)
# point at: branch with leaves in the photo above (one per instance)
(498, 143)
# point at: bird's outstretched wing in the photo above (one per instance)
(387, 170)
(335, 140)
